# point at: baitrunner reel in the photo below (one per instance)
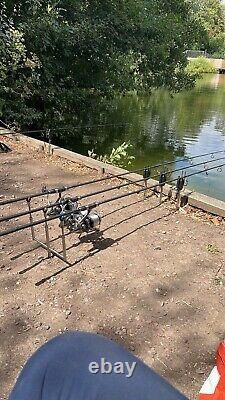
(63, 205)
(81, 221)
(75, 220)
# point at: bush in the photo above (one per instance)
(200, 65)
(119, 156)
(217, 46)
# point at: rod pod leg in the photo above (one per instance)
(31, 218)
(161, 194)
(178, 197)
(47, 235)
(146, 187)
(63, 240)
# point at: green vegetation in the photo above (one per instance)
(119, 156)
(60, 59)
(210, 15)
(219, 281)
(199, 66)
(59, 56)
(158, 125)
(212, 248)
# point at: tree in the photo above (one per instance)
(211, 16)
(16, 72)
(69, 52)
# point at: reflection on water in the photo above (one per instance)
(161, 127)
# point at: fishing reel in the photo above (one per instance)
(81, 221)
(62, 205)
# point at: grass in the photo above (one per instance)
(212, 248)
(220, 281)
(200, 65)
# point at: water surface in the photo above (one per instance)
(160, 128)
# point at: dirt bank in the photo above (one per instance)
(153, 281)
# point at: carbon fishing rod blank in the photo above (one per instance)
(122, 175)
(62, 189)
(84, 219)
(56, 206)
(62, 202)
(90, 206)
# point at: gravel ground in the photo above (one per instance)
(152, 280)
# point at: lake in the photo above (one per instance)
(160, 128)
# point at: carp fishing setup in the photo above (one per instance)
(83, 219)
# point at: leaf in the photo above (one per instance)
(212, 248)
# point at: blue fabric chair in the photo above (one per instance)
(59, 370)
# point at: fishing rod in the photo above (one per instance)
(102, 125)
(48, 130)
(80, 219)
(62, 189)
(194, 165)
(61, 202)
(67, 213)
(3, 123)
(76, 128)
(65, 128)
(185, 158)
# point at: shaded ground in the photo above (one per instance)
(153, 281)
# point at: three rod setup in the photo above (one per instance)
(98, 203)
(76, 218)
(62, 202)
(59, 190)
